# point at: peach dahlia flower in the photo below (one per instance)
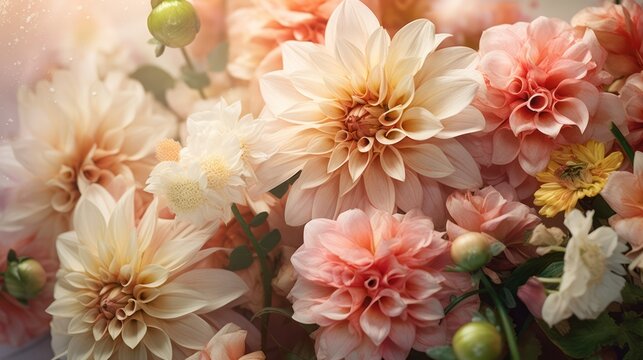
(79, 130)
(369, 120)
(631, 94)
(127, 291)
(624, 193)
(229, 343)
(543, 90)
(619, 29)
(375, 286)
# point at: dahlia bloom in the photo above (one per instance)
(543, 87)
(624, 193)
(126, 291)
(631, 94)
(619, 29)
(371, 121)
(496, 214)
(21, 323)
(229, 343)
(95, 130)
(214, 168)
(375, 285)
(592, 273)
(574, 172)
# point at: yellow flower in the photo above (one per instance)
(574, 172)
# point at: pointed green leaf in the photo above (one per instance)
(259, 219)
(240, 258)
(154, 80)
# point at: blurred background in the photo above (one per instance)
(39, 35)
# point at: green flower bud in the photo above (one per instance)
(174, 23)
(24, 279)
(471, 251)
(477, 341)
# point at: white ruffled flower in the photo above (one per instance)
(593, 272)
(132, 292)
(214, 169)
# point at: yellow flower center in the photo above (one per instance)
(168, 150)
(594, 260)
(575, 175)
(217, 171)
(184, 195)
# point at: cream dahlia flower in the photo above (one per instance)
(79, 130)
(369, 120)
(592, 274)
(129, 292)
(215, 167)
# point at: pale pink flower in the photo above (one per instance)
(619, 29)
(212, 17)
(467, 19)
(543, 89)
(95, 131)
(229, 343)
(127, 291)
(624, 193)
(631, 94)
(21, 323)
(370, 121)
(496, 214)
(375, 285)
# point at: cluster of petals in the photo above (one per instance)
(20, 323)
(203, 179)
(229, 343)
(371, 121)
(495, 213)
(131, 291)
(624, 193)
(543, 89)
(375, 285)
(592, 273)
(77, 130)
(631, 94)
(619, 29)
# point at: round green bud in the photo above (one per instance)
(24, 279)
(471, 251)
(477, 341)
(174, 23)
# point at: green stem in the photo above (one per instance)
(266, 273)
(190, 64)
(623, 142)
(461, 298)
(504, 319)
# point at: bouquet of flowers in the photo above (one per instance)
(326, 179)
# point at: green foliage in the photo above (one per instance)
(193, 78)
(532, 267)
(441, 353)
(280, 190)
(154, 80)
(585, 337)
(553, 270)
(240, 258)
(258, 219)
(632, 335)
(632, 294)
(218, 58)
(269, 241)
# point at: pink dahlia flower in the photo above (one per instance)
(21, 323)
(543, 85)
(229, 343)
(624, 193)
(619, 29)
(375, 285)
(631, 95)
(496, 214)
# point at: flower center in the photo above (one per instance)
(575, 174)
(217, 171)
(360, 122)
(112, 301)
(168, 150)
(184, 195)
(594, 261)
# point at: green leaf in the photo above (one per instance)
(532, 267)
(491, 316)
(529, 347)
(218, 58)
(258, 219)
(240, 258)
(441, 353)
(11, 256)
(154, 80)
(269, 241)
(280, 190)
(159, 50)
(508, 298)
(194, 79)
(632, 294)
(585, 336)
(553, 270)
